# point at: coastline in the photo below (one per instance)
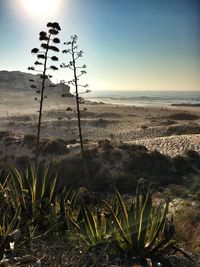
(146, 98)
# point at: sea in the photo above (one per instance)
(145, 98)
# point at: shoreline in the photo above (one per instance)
(141, 103)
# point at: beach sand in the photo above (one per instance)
(170, 130)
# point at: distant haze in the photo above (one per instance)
(129, 45)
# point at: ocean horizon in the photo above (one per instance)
(144, 98)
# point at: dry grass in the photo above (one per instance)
(187, 224)
(183, 129)
(183, 116)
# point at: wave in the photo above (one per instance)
(151, 98)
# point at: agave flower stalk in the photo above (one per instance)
(78, 71)
(43, 57)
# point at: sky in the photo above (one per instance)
(127, 44)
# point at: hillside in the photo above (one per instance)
(17, 80)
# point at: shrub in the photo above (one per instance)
(193, 158)
(126, 183)
(30, 140)
(70, 171)
(177, 190)
(22, 161)
(104, 181)
(132, 147)
(183, 129)
(105, 144)
(55, 147)
(181, 165)
(187, 223)
(183, 116)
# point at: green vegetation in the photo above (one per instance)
(112, 165)
(35, 204)
(141, 230)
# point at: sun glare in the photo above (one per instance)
(41, 8)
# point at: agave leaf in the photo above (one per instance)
(44, 182)
(5, 223)
(86, 227)
(123, 210)
(118, 224)
(62, 207)
(39, 183)
(133, 227)
(160, 226)
(99, 222)
(14, 197)
(53, 189)
(79, 218)
(17, 185)
(89, 223)
(33, 231)
(14, 223)
(168, 245)
(154, 222)
(137, 209)
(92, 220)
(47, 176)
(30, 180)
(4, 178)
(72, 222)
(160, 245)
(145, 218)
(17, 180)
(67, 193)
(73, 200)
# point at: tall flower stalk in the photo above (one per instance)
(78, 71)
(48, 44)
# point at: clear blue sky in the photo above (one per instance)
(128, 44)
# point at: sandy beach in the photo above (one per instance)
(170, 130)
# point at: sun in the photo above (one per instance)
(38, 8)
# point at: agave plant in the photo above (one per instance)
(9, 220)
(93, 227)
(45, 205)
(35, 190)
(141, 230)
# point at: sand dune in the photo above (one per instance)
(172, 145)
